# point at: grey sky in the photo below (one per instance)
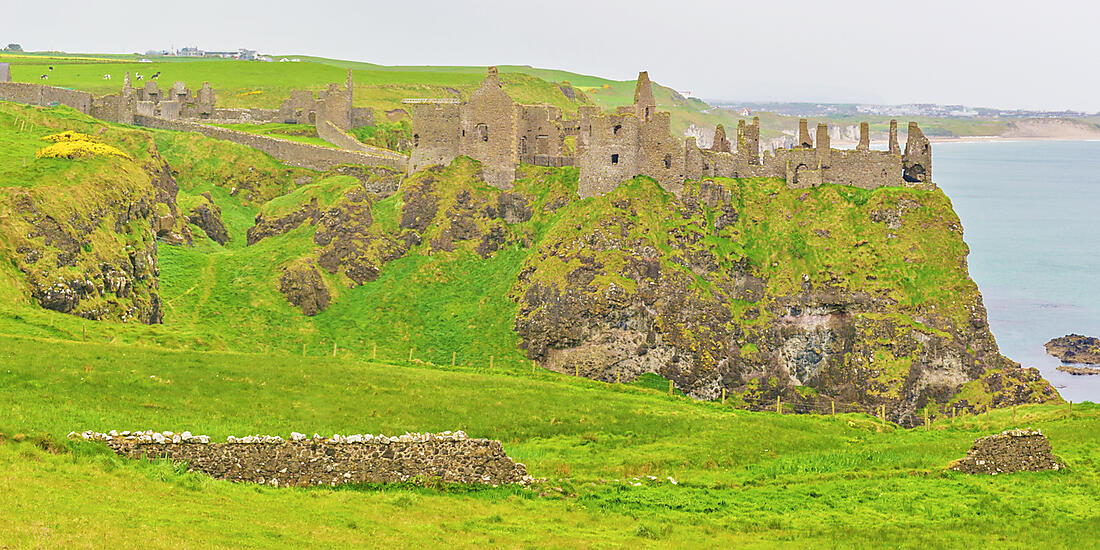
(1005, 53)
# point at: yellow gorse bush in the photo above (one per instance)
(79, 149)
(69, 135)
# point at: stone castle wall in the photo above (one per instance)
(436, 132)
(37, 94)
(270, 460)
(305, 155)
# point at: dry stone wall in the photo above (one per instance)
(304, 155)
(304, 461)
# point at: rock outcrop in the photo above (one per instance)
(1075, 349)
(765, 291)
(96, 257)
(208, 217)
(304, 288)
(1019, 450)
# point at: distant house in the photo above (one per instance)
(745, 111)
(190, 52)
(248, 55)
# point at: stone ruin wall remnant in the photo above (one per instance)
(305, 461)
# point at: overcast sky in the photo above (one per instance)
(1005, 53)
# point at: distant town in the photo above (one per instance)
(907, 110)
(242, 54)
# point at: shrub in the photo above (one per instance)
(79, 149)
(68, 136)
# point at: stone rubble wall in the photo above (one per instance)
(303, 461)
(305, 155)
(1019, 450)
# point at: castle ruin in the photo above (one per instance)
(636, 140)
(501, 134)
(490, 127)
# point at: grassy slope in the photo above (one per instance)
(258, 84)
(809, 481)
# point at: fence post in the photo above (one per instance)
(334, 349)
(577, 371)
(723, 396)
(953, 411)
(779, 404)
(833, 407)
(532, 366)
(619, 377)
(670, 387)
(490, 362)
(927, 421)
(453, 355)
(882, 416)
(374, 354)
(411, 354)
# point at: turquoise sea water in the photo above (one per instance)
(1031, 215)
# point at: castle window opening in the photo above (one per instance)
(616, 129)
(416, 140)
(615, 158)
(668, 161)
(482, 132)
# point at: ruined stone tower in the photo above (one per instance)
(5, 72)
(748, 142)
(721, 144)
(822, 141)
(864, 137)
(917, 159)
(804, 134)
(489, 131)
(644, 103)
(894, 138)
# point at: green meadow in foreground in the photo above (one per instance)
(742, 478)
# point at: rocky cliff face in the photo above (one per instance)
(831, 294)
(86, 242)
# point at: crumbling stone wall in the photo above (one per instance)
(436, 130)
(294, 153)
(37, 94)
(1019, 450)
(5, 72)
(539, 130)
(612, 154)
(271, 460)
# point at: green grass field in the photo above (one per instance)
(757, 479)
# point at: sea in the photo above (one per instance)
(1031, 215)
